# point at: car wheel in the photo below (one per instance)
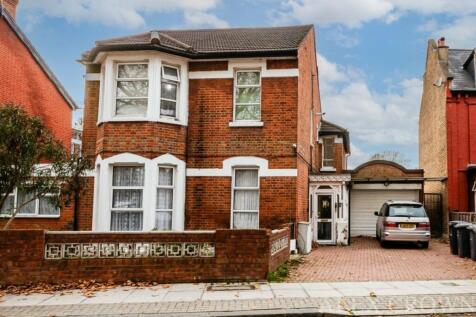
(425, 245)
(383, 243)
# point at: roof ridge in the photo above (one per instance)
(238, 28)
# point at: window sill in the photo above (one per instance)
(328, 169)
(32, 216)
(246, 124)
(168, 120)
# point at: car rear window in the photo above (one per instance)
(406, 211)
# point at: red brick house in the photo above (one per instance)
(447, 125)
(27, 81)
(201, 129)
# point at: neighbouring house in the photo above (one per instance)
(201, 129)
(329, 187)
(27, 81)
(447, 130)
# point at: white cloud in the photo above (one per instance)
(388, 119)
(122, 13)
(460, 33)
(353, 14)
(198, 18)
(350, 13)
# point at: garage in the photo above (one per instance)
(375, 182)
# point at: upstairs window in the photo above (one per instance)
(328, 149)
(169, 89)
(127, 198)
(132, 90)
(247, 96)
(245, 214)
(165, 198)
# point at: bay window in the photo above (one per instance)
(132, 89)
(165, 198)
(247, 95)
(29, 204)
(245, 210)
(127, 198)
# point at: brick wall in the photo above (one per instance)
(433, 151)
(91, 104)
(207, 66)
(211, 139)
(24, 83)
(148, 139)
(384, 169)
(308, 99)
(239, 255)
(208, 202)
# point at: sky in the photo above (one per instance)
(371, 53)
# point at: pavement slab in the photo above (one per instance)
(369, 298)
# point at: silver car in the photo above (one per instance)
(403, 221)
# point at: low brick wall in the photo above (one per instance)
(32, 256)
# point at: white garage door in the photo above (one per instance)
(363, 204)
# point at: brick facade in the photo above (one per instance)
(288, 103)
(240, 255)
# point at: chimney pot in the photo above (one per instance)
(441, 41)
(10, 6)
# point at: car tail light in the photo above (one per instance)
(423, 225)
(390, 224)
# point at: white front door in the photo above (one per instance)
(325, 219)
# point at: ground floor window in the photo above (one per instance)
(245, 210)
(127, 198)
(29, 205)
(165, 198)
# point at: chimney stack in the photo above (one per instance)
(10, 6)
(442, 50)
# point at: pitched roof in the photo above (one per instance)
(328, 128)
(463, 79)
(11, 22)
(211, 43)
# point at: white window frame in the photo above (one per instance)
(235, 88)
(117, 80)
(111, 200)
(168, 79)
(108, 86)
(37, 208)
(166, 187)
(233, 188)
(324, 167)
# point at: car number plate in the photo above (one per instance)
(407, 225)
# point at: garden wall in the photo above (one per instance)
(32, 256)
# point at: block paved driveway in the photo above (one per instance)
(365, 260)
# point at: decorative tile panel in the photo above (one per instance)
(158, 249)
(107, 250)
(191, 249)
(124, 250)
(54, 251)
(89, 250)
(279, 245)
(174, 249)
(71, 250)
(58, 251)
(207, 250)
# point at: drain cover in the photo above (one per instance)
(231, 287)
